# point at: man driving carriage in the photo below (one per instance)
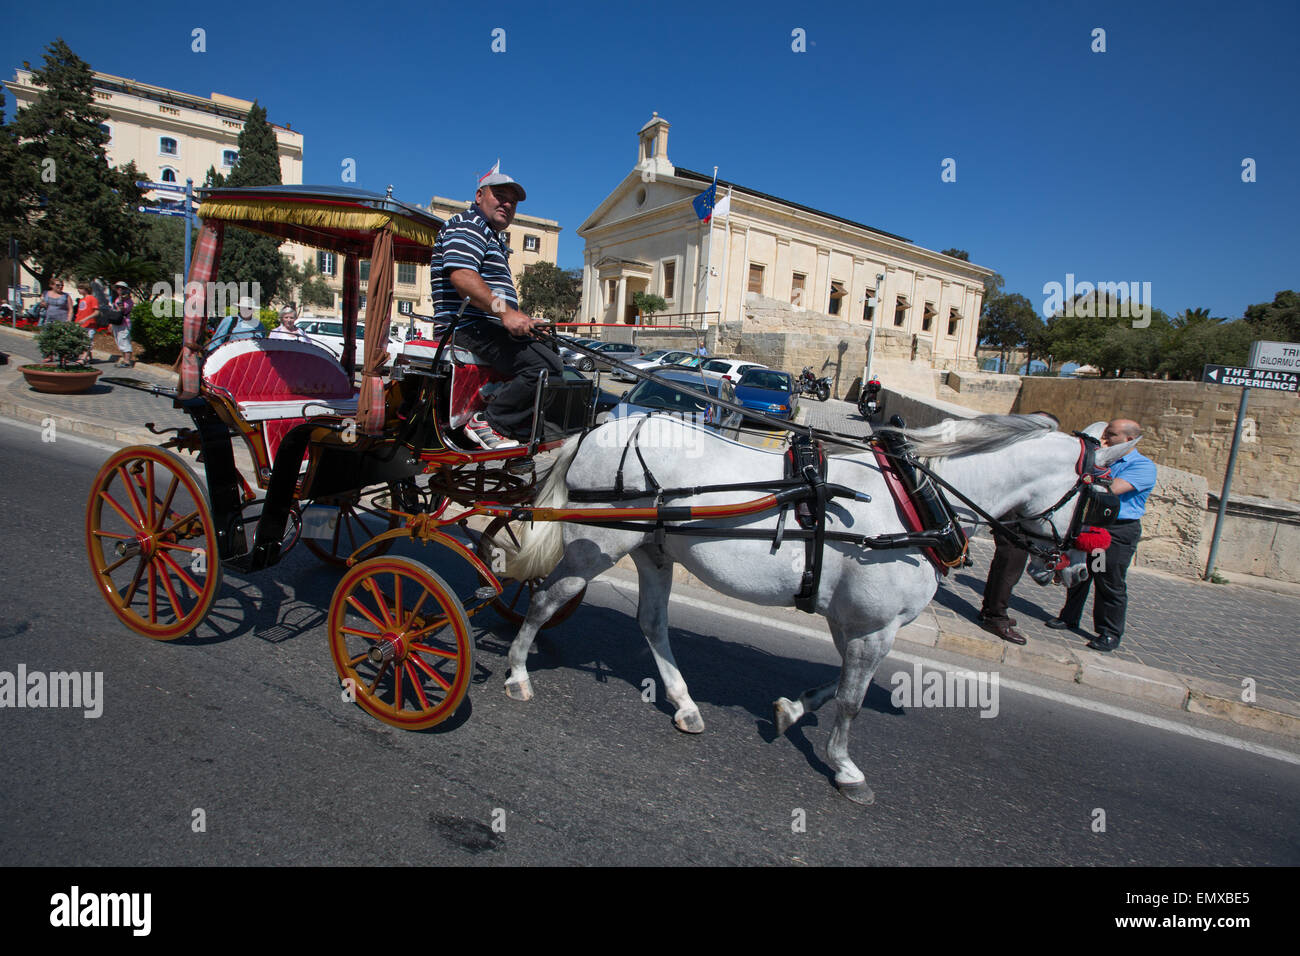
(471, 261)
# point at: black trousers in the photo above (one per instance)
(1005, 569)
(522, 360)
(1111, 599)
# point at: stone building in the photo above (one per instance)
(786, 284)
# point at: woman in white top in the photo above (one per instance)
(288, 327)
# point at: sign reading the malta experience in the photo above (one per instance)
(1251, 377)
(1280, 356)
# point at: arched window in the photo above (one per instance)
(108, 131)
(168, 146)
(168, 175)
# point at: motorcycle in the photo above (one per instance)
(810, 384)
(869, 399)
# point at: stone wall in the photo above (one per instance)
(986, 392)
(1187, 425)
(1260, 536)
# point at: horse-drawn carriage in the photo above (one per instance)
(352, 469)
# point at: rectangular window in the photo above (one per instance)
(326, 263)
(406, 273)
(229, 157)
(532, 243)
(168, 146)
(900, 311)
(927, 318)
(755, 278)
(612, 287)
(670, 279)
(954, 319)
(362, 303)
(365, 270)
(797, 292)
(405, 307)
(837, 297)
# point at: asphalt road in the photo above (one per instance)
(245, 723)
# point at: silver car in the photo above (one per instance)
(650, 361)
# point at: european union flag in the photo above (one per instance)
(703, 203)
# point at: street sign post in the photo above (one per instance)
(1274, 377)
(161, 187)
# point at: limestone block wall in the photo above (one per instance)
(1260, 536)
(1173, 526)
(1187, 426)
(985, 391)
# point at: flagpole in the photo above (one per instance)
(708, 258)
(726, 242)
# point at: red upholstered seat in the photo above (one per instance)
(280, 382)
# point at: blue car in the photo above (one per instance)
(768, 391)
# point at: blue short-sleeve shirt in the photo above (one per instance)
(467, 241)
(1140, 472)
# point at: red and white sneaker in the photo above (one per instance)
(485, 435)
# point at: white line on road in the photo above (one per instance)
(1109, 710)
(92, 443)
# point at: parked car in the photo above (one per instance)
(768, 391)
(573, 357)
(619, 350)
(731, 369)
(650, 396)
(649, 361)
(328, 334)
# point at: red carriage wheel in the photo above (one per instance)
(512, 603)
(152, 542)
(401, 642)
(359, 521)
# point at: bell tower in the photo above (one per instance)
(652, 147)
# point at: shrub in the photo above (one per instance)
(159, 329)
(66, 341)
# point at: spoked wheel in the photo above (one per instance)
(401, 642)
(152, 542)
(358, 521)
(512, 603)
(480, 483)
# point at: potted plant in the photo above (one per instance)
(66, 342)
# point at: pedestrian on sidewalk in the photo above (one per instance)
(122, 306)
(1133, 478)
(1005, 570)
(86, 315)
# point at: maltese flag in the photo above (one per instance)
(723, 208)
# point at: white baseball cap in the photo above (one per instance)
(494, 177)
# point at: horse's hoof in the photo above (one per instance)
(689, 722)
(858, 792)
(519, 689)
(783, 714)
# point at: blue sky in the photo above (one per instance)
(1117, 166)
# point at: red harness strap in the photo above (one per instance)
(907, 512)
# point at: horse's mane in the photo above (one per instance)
(969, 436)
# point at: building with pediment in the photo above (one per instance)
(785, 283)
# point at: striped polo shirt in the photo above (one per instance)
(468, 242)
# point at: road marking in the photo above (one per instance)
(63, 435)
(1059, 697)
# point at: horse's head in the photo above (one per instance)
(1067, 514)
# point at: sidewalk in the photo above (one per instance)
(1188, 645)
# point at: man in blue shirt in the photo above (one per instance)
(1134, 477)
(471, 261)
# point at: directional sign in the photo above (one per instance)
(1251, 378)
(1280, 356)
(161, 212)
(160, 187)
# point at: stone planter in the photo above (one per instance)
(59, 383)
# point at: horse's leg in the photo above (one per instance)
(582, 561)
(655, 584)
(788, 712)
(862, 655)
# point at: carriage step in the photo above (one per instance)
(485, 593)
(520, 466)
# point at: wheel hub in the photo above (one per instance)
(390, 647)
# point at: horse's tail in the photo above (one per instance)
(541, 543)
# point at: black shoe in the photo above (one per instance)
(1104, 644)
(1057, 624)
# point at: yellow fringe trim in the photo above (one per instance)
(249, 212)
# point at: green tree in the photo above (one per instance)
(1006, 322)
(249, 256)
(961, 254)
(77, 201)
(18, 179)
(647, 303)
(304, 285)
(1276, 321)
(547, 290)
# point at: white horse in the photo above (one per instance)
(1013, 465)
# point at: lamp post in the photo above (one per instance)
(871, 336)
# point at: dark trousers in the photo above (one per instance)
(1111, 599)
(522, 361)
(1005, 569)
